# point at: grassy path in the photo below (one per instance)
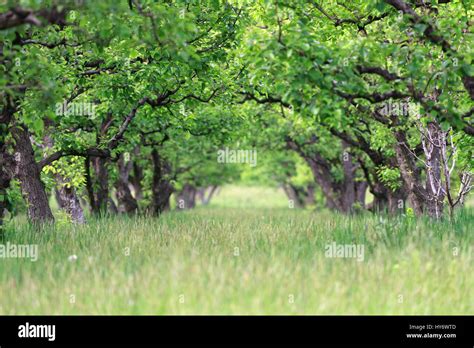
(220, 260)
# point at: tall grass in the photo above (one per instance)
(254, 260)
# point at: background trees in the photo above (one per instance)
(367, 74)
(115, 106)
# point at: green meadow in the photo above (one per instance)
(235, 257)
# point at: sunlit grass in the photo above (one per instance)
(256, 197)
(264, 259)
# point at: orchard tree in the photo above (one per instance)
(339, 66)
(124, 59)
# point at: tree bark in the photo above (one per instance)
(97, 187)
(339, 196)
(6, 161)
(126, 202)
(348, 189)
(89, 185)
(136, 176)
(433, 141)
(162, 188)
(410, 173)
(293, 195)
(323, 177)
(360, 192)
(309, 195)
(4, 184)
(396, 201)
(29, 176)
(187, 197)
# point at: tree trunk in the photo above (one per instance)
(348, 191)
(210, 194)
(339, 196)
(66, 196)
(162, 188)
(187, 197)
(360, 192)
(97, 187)
(102, 175)
(98, 183)
(126, 201)
(28, 173)
(433, 140)
(136, 176)
(386, 200)
(6, 161)
(112, 207)
(90, 185)
(293, 196)
(409, 173)
(68, 200)
(428, 198)
(4, 184)
(309, 196)
(323, 178)
(205, 194)
(396, 201)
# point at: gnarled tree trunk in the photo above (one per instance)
(162, 188)
(339, 196)
(428, 198)
(410, 173)
(29, 176)
(126, 202)
(433, 140)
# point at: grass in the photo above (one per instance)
(232, 258)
